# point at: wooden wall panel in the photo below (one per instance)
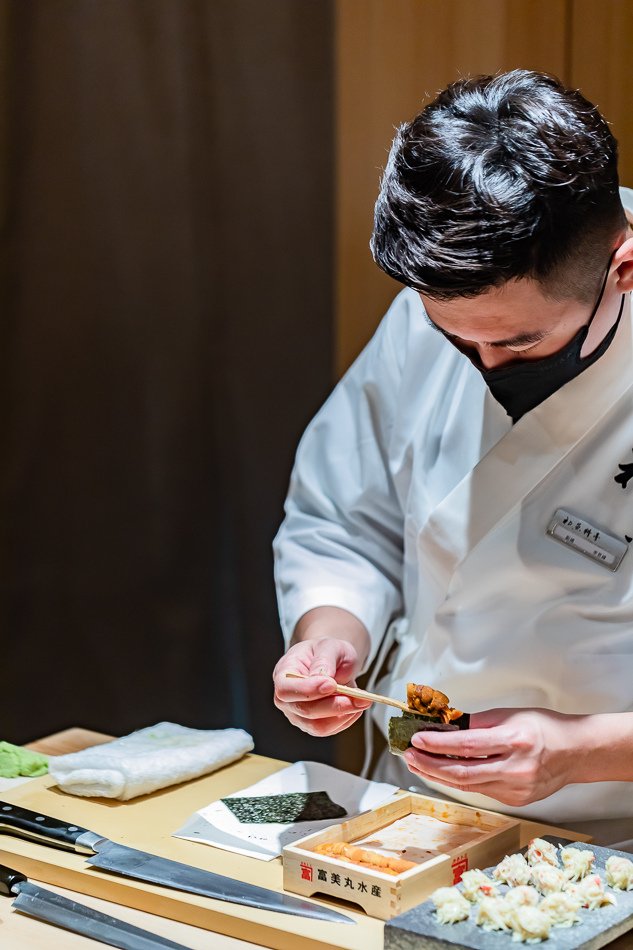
(391, 57)
(601, 38)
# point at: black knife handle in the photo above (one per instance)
(15, 820)
(8, 880)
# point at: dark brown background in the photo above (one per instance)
(166, 302)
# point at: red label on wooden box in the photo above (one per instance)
(306, 871)
(459, 865)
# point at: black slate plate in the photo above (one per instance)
(418, 929)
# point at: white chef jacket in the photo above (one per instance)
(414, 498)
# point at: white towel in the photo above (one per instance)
(148, 759)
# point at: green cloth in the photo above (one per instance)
(14, 761)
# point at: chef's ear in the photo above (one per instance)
(623, 263)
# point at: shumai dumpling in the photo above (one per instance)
(450, 905)
(513, 870)
(525, 895)
(591, 892)
(493, 914)
(577, 862)
(619, 872)
(540, 851)
(562, 908)
(530, 924)
(547, 879)
(476, 884)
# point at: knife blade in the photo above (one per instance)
(102, 853)
(38, 902)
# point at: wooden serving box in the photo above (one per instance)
(472, 838)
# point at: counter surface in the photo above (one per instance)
(20, 932)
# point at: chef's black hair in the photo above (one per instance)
(500, 177)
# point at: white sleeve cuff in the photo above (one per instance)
(372, 611)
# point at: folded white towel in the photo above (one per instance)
(151, 758)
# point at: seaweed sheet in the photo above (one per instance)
(284, 809)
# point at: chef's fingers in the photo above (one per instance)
(288, 689)
(506, 788)
(322, 727)
(485, 788)
(298, 660)
(458, 773)
(332, 706)
(335, 658)
(324, 708)
(326, 660)
(465, 743)
(490, 718)
(318, 658)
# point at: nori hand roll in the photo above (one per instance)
(402, 728)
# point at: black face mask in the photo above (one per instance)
(519, 387)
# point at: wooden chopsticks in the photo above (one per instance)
(358, 693)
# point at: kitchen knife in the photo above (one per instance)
(106, 854)
(52, 908)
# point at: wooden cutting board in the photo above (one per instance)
(148, 823)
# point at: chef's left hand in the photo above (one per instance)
(529, 754)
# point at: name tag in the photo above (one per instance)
(582, 536)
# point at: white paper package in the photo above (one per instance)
(216, 825)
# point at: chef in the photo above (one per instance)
(462, 505)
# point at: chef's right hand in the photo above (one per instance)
(311, 703)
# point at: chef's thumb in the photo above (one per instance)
(327, 657)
